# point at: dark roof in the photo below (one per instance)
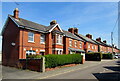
(86, 38)
(29, 24)
(68, 34)
(102, 43)
(40, 28)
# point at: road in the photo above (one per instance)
(91, 70)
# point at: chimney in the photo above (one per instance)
(105, 41)
(16, 13)
(89, 36)
(98, 39)
(71, 30)
(53, 22)
(76, 30)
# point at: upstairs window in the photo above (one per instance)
(30, 37)
(75, 43)
(59, 39)
(70, 42)
(88, 45)
(42, 38)
(80, 44)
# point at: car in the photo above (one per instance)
(115, 56)
(118, 55)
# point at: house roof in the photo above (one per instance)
(23, 23)
(86, 38)
(102, 43)
(68, 34)
(28, 24)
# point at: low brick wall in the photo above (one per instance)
(31, 64)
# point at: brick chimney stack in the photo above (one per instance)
(53, 22)
(71, 30)
(105, 41)
(16, 13)
(89, 36)
(76, 30)
(98, 39)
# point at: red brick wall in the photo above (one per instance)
(31, 64)
(66, 44)
(91, 47)
(25, 45)
(10, 54)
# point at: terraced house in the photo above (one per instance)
(22, 37)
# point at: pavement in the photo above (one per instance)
(89, 70)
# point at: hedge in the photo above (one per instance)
(93, 56)
(107, 56)
(59, 60)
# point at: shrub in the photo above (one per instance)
(107, 56)
(59, 60)
(93, 56)
(34, 56)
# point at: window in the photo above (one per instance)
(88, 45)
(70, 42)
(59, 52)
(80, 44)
(42, 38)
(92, 46)
(59, 39)
(30, 37)
(75, 43)
(30, 52)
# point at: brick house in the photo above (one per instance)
(89, 44)
(22, 37)
(103, 46)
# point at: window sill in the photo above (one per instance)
(42, 43)
(31, 42)
(57, 44)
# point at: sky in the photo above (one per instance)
(95, 18)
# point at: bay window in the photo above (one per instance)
(59, 39)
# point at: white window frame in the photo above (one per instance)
(88, 45)
(75, 43)
(59, 39)
(30, 37)
(92, 46)
(31, 52)
(42, 38)
(70, 42)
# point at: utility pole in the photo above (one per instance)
(112, 41)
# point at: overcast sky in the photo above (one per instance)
(96, 18)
